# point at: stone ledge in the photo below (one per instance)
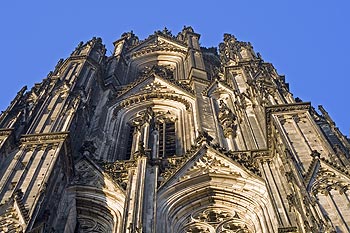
(44, 138)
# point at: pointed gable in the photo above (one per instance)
(87, 173)
(209, 162)
(154, 84)
(157, 43)
(212, 162)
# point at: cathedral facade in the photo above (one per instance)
(166, 136)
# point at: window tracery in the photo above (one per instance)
(216, 220)
(154, 129)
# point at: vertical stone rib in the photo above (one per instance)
(339, 215)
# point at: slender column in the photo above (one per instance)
(135, 193)
(135, 141)
(150, 203)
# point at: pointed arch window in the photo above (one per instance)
(155, 131)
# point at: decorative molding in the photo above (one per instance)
(342, 170)
(288, 108)
(151, 96)
(209, 163)
(44, 138)
(287, 230)
(163, 73)
(155, 43)
(283, 108)
(327, 180)
(5, 132)
(246, 159)
(119, 171)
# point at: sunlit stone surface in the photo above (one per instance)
(167, 136)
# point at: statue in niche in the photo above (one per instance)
(227, 119)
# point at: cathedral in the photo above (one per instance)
(166, 136)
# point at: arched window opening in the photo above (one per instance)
(167, 140)
(129, 142)
(151, 131)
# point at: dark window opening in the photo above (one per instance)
(129, 142)
(167, 142)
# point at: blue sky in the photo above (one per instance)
(308, 41)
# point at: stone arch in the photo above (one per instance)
(125, 112)
(173, 59)
(246, 199)
(331, 192)
(98, 211)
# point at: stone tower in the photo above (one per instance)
(166, 136)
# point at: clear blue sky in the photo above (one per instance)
(308, 41)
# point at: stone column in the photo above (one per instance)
(135, 194)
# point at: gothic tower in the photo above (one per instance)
(166, 136)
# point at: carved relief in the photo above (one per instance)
(233, 51)
(87, 175)
(227, 120)
(210, 164)
(164, 71)
(197, 229)
(9, 221)
(44, 138)
(327, 180)
(154, 86)
(217, 220)
(91, 225)
(119, 171)
(245, 159)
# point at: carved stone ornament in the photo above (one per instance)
(197, 229)
(233, 51)
(91, 225)
(208, 164)
(245, 159)
(158, 70)
(86, 174)
(217, 220)
(150, 96)
(156, 43)
(119, 171)
(327, 180)
(44, 138)
(227, 120)
(153, 87)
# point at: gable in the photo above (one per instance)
(87, 173)
(155, 84)
(216, 88)
(157, 43)
(211, 163)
